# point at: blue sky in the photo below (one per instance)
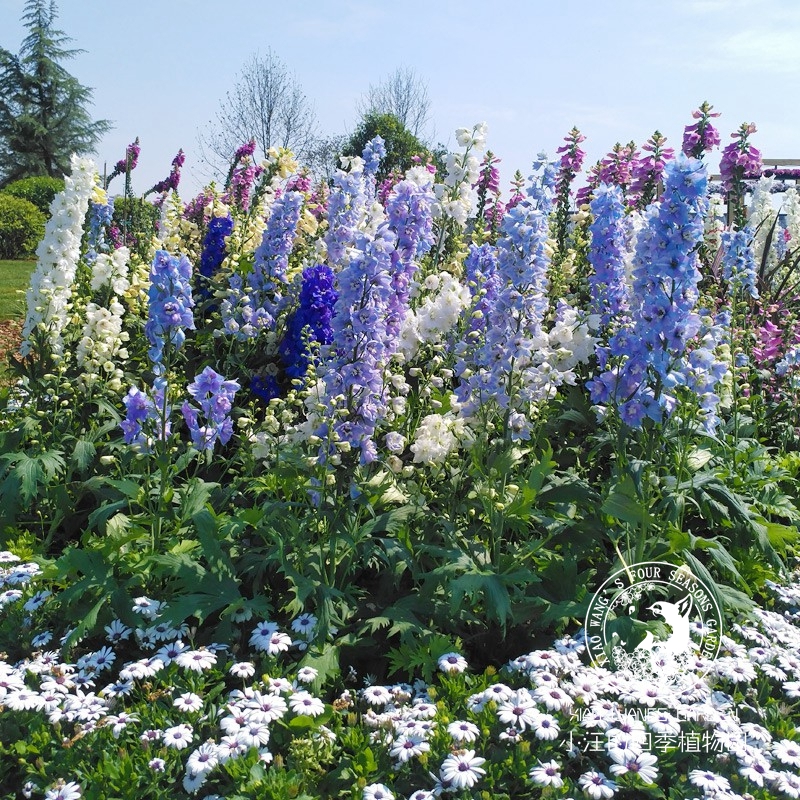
(617, 69)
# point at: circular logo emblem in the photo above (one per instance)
(653, 620)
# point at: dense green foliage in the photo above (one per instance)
(401, 145)
(44, 115)
(21, 227)
(39, 190)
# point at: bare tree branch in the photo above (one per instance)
(268, 105)
(404, 95)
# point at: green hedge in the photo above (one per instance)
(39, 191)
(21, 227)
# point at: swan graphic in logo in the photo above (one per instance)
(655, 621)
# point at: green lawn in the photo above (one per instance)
(14, 279)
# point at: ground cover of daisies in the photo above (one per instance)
(253, 724)
(306, 488)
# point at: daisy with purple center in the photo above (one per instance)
(150, 736)
(546, 727)
(547, 774)
(253, 734)
(306, 675)
(242, 669)
(178, 737)
(42, 639)
(597, 786)
(405, 748)
(462, 731)
(169, 652)
(305, 624)
(787, 752)
(788, 783)
(554, 698)
(757, 771)
(267, 707)
(643, 765)
(377, 695)
(498, 692)
(278, 642)
(520, 710)
(376, 791)
(663, 723)
(452, 663)
(196, 660)
(304, 703)
(462, 770)
(709, 781)
(188, 702)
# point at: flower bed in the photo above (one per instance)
(220, 717)
(421, 424)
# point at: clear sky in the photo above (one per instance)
(618, 69)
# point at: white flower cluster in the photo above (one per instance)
(437, 314)
(437, 436)
(111, 270)
(49, 295)
(713, 222)
(102, 345)
(791, 208)
(102, 342)
(456, 195)
(571, 342)
(762, 217)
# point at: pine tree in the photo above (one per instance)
(43, 109)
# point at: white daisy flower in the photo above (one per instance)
(787, 751)
(242, 669)
(462, 731)
(643, 765)
(63, 791)
(547, 774)
(462, 770)
(179, 736)
(196, 660)
(404, 748)
(376, 791)
(452, 663)
(304, 703)
(709, 781)
(597, 786)
(307, 674)
(188, 702)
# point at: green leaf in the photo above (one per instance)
(698, 458)
(325, 661)
(364, 763)
(625, 508)
(780, 536)
(83, 454)
(194, 497)
(388, 522)
(87, 622)
(30, 474)
(497, 603)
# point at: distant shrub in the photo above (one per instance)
(21, 227)
(39, 191)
